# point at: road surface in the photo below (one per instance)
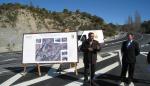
(107, 71)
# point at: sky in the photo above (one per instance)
(112, 11)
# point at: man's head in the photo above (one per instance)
(91, 36)
(130, 36)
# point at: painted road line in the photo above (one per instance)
(106, 69)
(118, 42)
(144, 45)
(53, 70)
(99, 72)
(99, 59)
(8, 60)
(81, 64)
(51, 73)
(144, 53)
(4, 72)
(120, 55)
(14, 78)
(112, 55)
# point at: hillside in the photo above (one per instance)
(17, 19)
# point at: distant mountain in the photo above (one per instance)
(17, 19)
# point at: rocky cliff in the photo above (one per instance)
(17, 19)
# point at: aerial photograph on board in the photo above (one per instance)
(51, 49)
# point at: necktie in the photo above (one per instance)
(129, 43)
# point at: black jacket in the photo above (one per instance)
(90, 56)
(148, 57)
(130, 53)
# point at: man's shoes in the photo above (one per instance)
(93, 83)
(129, 81)
(85, 80)
(123, 79)
(122, 84)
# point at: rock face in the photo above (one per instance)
(11, 33)
(16, 19)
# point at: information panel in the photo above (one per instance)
(50, 48)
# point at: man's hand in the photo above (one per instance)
(90, 49)
(97, 47)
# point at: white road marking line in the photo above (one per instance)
(102, 59)
(99, 59)
(120, 55)
(14, 78)
(4, 72)
(8, 60)
(106, 69)
(99, 72)
(144, 53)
(118, 42)
(51, 74)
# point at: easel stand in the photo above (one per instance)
(39, 70)
(74, 65)
(59, 70)
(24, 67)
(38, 67)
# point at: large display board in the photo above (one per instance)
(50, 48)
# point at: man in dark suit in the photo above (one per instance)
(90, 47)
(130, 49)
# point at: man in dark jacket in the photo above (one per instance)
(90, 47)
(130, 49)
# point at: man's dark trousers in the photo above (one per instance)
(91, 71)
(125, 67)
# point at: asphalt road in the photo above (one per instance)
(107, 71)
